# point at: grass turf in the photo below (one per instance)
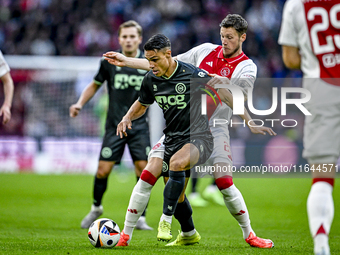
(41, 214)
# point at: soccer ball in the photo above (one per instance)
(104, 233)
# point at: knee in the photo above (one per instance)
(102, 172)
(177, 164)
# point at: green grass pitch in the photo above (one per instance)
(41, 214)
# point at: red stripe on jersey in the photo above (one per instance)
(328, 180)
(322, 19)
(215, 63)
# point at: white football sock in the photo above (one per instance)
(138, 202)
(320, 209)
(166, 218)
(190, 233)
(234, 201)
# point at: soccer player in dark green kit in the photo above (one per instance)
(176, 87)
(123, 89)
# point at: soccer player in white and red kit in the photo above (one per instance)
(227, 60)
(310, 41)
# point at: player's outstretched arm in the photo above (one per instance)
(136, 111)
(85, 96)
(5, 110)
(118, 59)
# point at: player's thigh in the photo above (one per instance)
(154, 166)
(139, 144)
(222, 151)
(184, 158)
(222, 169)
(112, 147)
(322, 134)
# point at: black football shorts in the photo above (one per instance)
(205, 146)
(138, 141)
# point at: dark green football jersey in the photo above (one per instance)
(179, 96)
(123, 85)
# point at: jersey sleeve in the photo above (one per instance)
(102, 74)
(196, 54)
(201, 75)
(4, 68)
(244, 76)
(288, 34)
(146, 96)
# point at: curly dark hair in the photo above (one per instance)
(236, 21)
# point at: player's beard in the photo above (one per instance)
(234, 51)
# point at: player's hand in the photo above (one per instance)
(217, 80)
(115, 58)
(5, 112)
(261, 130)
(121, 128)
(74, 110)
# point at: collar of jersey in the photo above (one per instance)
(137, 55)
(229, 60)
(167, 78)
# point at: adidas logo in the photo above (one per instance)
(105, 231)
(209, 63)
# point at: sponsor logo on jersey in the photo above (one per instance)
(209, 63)
(180, 88)
(124, 81)
(165, 102)
(106, 152)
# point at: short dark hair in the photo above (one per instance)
(157, 42)
(131, 23)
(236, 21)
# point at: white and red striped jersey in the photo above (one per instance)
(240, 70)
(313, 26)
(4, 68)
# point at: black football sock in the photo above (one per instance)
(183, 214)
(194, 177)
(99, 188)
(172, 191)
(144, 213)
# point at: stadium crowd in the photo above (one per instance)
(89, 27)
